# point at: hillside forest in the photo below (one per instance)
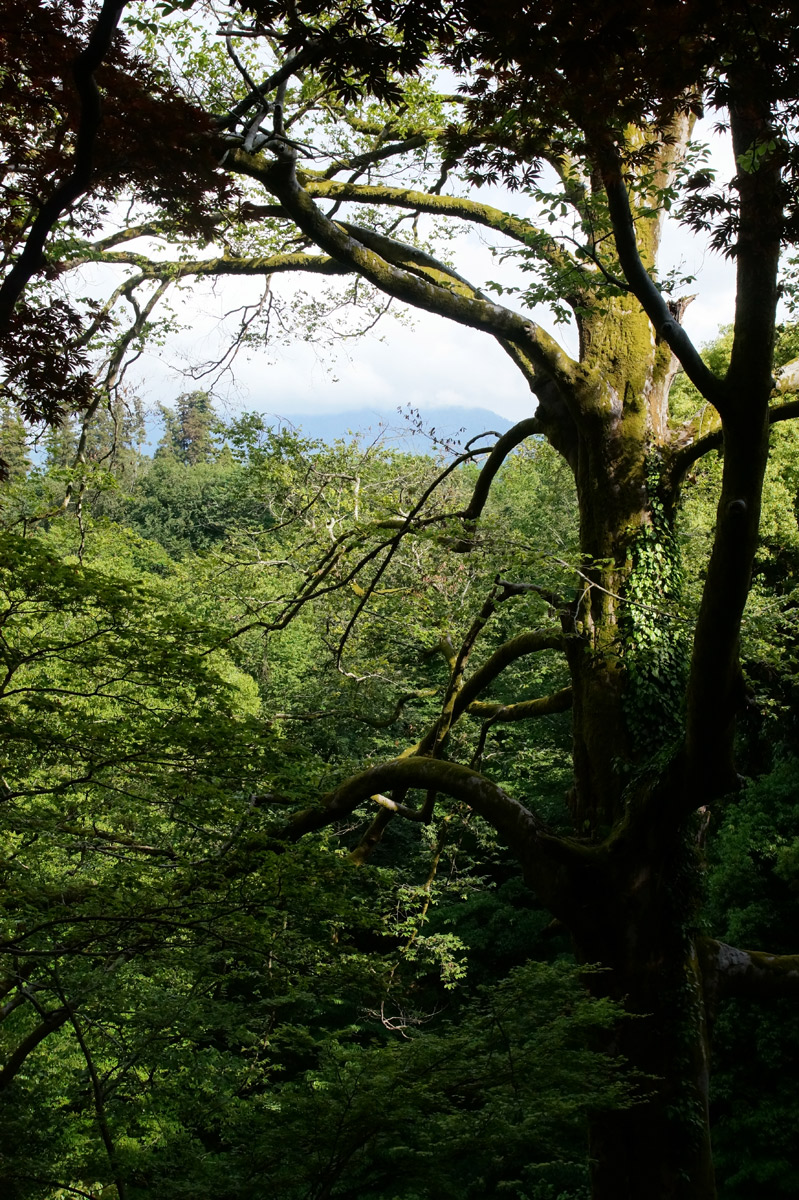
(386, 823)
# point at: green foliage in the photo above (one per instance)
(13, 443)
(189, 429)
(479, 1108)
(753, 887)
(228, 1013)
(656, 643)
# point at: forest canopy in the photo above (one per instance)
(376, 822)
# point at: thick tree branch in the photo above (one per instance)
(274, 264)
(523, 710)
(684, 458)
(411, 258)
(667, 327)
(783, 412)
(728, 971)
(553, 419)
(543, 856)
(545, 246)
(715, 691)
(16, 1059)
(514, 437)
(279, 177)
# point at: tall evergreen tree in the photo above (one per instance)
(14, 441)
(189, 428)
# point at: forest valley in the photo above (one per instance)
(374, 823)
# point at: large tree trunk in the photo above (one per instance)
(640, 934)
(660, 1148)
(641, 909)
(636, 923)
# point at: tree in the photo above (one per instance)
(589, 114)
(199, 1004)
(189, 428)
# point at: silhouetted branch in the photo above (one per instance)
(79, 179)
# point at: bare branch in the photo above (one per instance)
(292, 66)
(455, 686)
(377, 154)
(394, 543)
(115, 364)
(504, 446)
(532, 642)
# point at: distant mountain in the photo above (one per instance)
(417, 432)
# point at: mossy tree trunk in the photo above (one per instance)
(639, 912)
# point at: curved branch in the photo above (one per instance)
(543, 855)
(279, 177)
(99, 1096)
(16, 1059)
(531, 642)
(228, 30)
(552, 419)
(394, 543)
(666, 326)
(114, 369)
(523, 710)
(686, 456)
(518, 647)
(517, 434)
(462, 208)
